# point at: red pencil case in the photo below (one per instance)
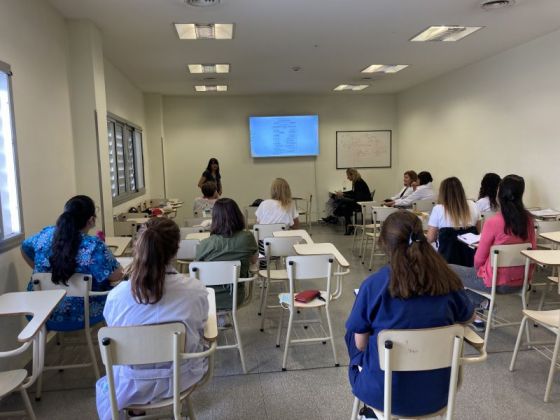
(307, 296)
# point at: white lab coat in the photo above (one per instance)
(404, 192)
(185, 300)
(422, 192)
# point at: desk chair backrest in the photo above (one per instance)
(218, 273)
(141, 345)
(187, 230)
(280, 247)
(380, 214)
(187, 249)
(309, 267)
(544, 226)
(127, 228)
(250, 216)
(261, 231)
(484, 216)
(420, 350)
(196, 222)
(79, 285)
(366, 214)
(508, 255)
(423, 205)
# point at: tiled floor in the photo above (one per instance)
(313, 388)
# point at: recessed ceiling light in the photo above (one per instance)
(211, 88)
(445, 33)
(384, 68)
(350, 87)
(209, 68)
(204, 31)
(202, 3)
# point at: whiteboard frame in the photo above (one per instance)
(338, 166)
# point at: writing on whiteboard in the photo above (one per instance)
(363, 149)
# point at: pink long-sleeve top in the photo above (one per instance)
(493, 234)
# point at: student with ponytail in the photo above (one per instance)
(155, 293)
(66, 249)
(415, 290)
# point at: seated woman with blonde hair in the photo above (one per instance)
(279, 208)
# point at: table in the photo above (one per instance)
(40, 305)
(544, 257)
(198, 235)
(551, 236)
(118, 242)
(291, 233)
(324, 248)
(124, 261)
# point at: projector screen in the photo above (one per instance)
(284, 136)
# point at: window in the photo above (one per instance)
(11, 229)
(126, 161)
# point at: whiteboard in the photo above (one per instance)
(363, 149)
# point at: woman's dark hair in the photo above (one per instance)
(510, 197)
(424, 177)
(67, 237)
(156, 245)
(227, 219)
(208, 189)
(210, 163)
(489, 188)
(416, 267)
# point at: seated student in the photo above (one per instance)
(155, 293)
(415, 290)
(423, 190)
(488, 192)
(346, 203)
(228, 241)
(66, 249)
(206, 202)
(513, 224)
(453, 216)
(279, 208)
(409, 178)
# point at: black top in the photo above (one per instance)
(360, 191)
(217, 179)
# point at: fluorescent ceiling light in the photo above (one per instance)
(445, 33)
(350, 87)
(209, 68)
(384, 68)
(204, 31)
(211, 88)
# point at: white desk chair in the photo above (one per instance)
(504, 256)
(127, 228)
(379, 215)
(305, 210)
(79, 285)
(364, 226)
(186, 253)
(12, 380)
(546, 226)
(301, 269)
(250, 216)
(484, 216)
(159, 343)
(275, 249)
(551, 321)
(198, 222)
(423, 205)
(421, 350)
(219, 273)
(261, 231)
(188, 230)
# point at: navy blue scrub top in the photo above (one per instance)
(414, 393)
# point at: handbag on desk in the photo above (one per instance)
(307, 296)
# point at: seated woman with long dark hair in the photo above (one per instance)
(66, 249)
(415, 290)
(155, 293)
(488, 193)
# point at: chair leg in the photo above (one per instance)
(331, 336)
(280, 322)
(355, 408)
(92, 353)
(552, 368)
(239, 343)
(39, 387)
(371, 256)
(264, 286)
(517, 344)
(28, 407)
(488, 323)
(288, 338)
(190, 409)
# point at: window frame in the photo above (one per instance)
(127, 127)
(17, 239)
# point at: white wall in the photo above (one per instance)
(498, 115)
(33, 40)
(198, 128)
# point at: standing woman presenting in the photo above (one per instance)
(212, 173)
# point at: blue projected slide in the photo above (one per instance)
(283, 136)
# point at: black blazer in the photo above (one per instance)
(360, 191)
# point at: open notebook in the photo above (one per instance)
(469, 238)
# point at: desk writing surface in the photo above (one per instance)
(39, 304)
(118, 242)
(551, 236)
(545, 257)
(198, 235)
(324, 248)
(291, 233)
(124, 261)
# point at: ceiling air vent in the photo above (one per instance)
(202, 3)
(496, 4)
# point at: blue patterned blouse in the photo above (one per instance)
(93, 258)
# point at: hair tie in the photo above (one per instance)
(414, 237)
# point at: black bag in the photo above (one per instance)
(256, 203)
